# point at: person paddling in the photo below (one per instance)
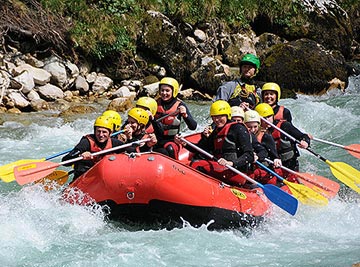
(229, 142)
(172, 110)
(135, 129)
(270, 94)
(286, 148)
(150, 105)
(253, 122)
(91, 143)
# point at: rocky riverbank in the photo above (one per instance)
(310, 59)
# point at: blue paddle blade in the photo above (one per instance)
(280, 198)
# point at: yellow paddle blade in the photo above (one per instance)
(54, 180)
(346, 174)
(306, 195)
(7, 170)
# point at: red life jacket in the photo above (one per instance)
(95, 148)
(149, 129)
(280, 114)
(220, 139)
(260, 136)
(171, 123)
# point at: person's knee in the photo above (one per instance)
(170, 150)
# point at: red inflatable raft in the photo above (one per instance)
(155, 191)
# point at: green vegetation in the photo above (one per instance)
(101, 28)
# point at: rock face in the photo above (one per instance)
(303, 66)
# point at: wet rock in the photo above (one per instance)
(50, 92)
(78, 109)
(120, 104)
(303, 66)
(39, 105)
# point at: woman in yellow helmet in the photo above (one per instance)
(135, 129)
(286, 148)
(229, 142)
(91, 143)
(170, 112)
(252, 121)
(150, 105)
(270, 94)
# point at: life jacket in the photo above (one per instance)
(280, 114)
(149, 129)
(141, 136)
(171, 123)
(95, 148)
(260, 136)
(284, 147)
(245, 92)
(220, 140)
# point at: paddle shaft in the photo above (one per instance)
(335, 144)
(273, 193)
(305, 177)
(227, 165)
(106, 151)
(68, 150)
(167, 115)
(269, 170)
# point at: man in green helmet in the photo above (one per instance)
(242, 91)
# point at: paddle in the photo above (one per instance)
(54, 180)
(326, 187)
(7, 170)
(342, 171)
(167, 115)
(273, 193)
(34, 171)
(305, 194)
(353, 149)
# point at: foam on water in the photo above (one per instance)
(38, 229)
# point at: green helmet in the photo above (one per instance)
(250, 59)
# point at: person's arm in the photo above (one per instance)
(225, 91)
(295, 132)
(189, 120)
(243, 143)
(270, 145)
(259, 149)
(287, 115)
(81, 147)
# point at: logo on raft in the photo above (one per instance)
(238, 193)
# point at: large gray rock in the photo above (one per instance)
(50, 92)
(303, 65)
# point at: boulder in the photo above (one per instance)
(50, 92)
(303, 66)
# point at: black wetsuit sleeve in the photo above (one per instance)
(244, 146)
(81, 147)
(190, 122)
(294, 132)
(259, 149)
(287, 115)
(269, 143)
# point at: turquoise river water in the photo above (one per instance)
(37, 229)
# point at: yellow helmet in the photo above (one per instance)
(272, 87)
(252, 116)
(112, 114)
(140, 115)
(264, 110)
(220, 107)
(149, 103)
(173, 83)
(237, 111)
(104, 122)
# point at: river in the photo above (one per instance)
(37, 229)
